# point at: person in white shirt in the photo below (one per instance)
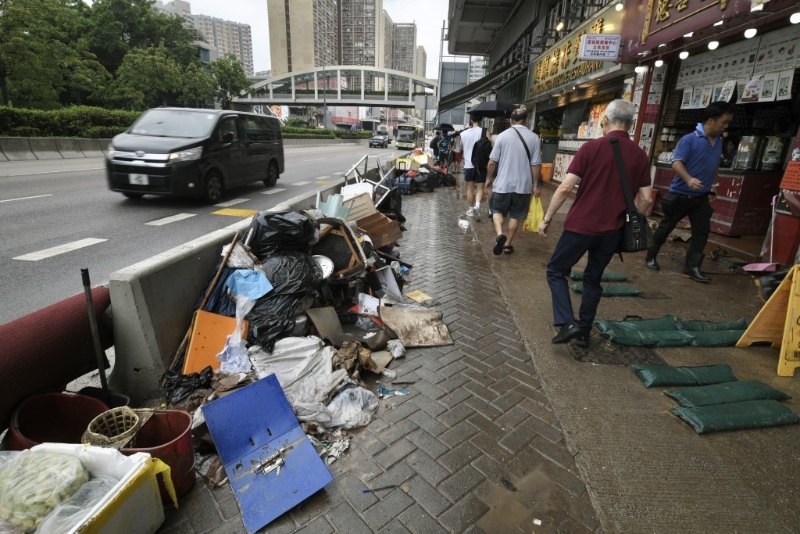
(517, 158)
(474, 178)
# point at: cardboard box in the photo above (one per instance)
(134, 504)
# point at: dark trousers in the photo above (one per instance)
(675, 208)
(570, 248)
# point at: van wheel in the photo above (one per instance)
(213, 187)
(272, 175)
(134, 196)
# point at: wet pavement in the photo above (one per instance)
(504, 432)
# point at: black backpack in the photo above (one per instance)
(480, 153)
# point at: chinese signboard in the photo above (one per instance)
(650, 23)
(599, 47)
(563, 64)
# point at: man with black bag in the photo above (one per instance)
(595, 222)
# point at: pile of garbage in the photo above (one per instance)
(314, 298)
(418, 174)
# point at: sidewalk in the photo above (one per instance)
(505, 432)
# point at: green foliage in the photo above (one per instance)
(146, 78)
(230, 77)
(77, 121)
(295, 122)
(196, 87)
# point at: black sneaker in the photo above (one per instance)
(582, 340)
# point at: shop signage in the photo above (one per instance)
(791, 176)
(653, 22)
(563, 63)
(599, 47)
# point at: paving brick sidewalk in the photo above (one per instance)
(475, 447)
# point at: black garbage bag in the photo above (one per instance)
(280, 231)
(179, 386)
(392, 205)
(293, 275)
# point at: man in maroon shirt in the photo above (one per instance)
(595, 220)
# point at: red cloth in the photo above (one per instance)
(599, 206)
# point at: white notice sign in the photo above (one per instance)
(599, 47)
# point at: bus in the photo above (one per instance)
(409, 136)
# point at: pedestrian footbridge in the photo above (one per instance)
(340, 85)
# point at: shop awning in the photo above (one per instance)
(475, 88)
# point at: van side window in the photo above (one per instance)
(228, 125)
(254, 130)
(270, 130)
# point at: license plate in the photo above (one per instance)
(138, 179)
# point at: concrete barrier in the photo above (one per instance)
(91, 148)
(44, 147)
(69, 148)
(3, 156)
(153, 300)
(16, 148)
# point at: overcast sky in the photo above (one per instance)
(427, 14)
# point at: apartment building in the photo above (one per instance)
(228, 37)
(303, 34)
(477, 68)
(422, 60)
(224, 37)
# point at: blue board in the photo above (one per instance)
(255, 430)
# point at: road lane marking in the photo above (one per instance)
(61, 249)
(315, 159)
(301, 183)
(50, 172)
(24, 198)
(323, 182)
(230, 203)
(235, 213)
(322, 177)
(340, 173)
(273, 191)
(172, 219)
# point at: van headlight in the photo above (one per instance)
(110, 151)
(189, 154)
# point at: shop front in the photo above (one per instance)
(723, 51)
(569, 94)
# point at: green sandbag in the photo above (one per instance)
(667, 375)
(717, 338)
(614, 290)
(737, 416)
(637, 332)
(656, 338)
(637, 325)
(705, 375)
(726, 393)
(708, 326)
(607, 276)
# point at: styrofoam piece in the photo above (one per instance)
(134, 504)
(353, 190)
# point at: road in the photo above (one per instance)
(58, 216)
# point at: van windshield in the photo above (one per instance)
(174, 123)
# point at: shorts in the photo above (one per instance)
(458, 157)
(513, 205)
(474, 175)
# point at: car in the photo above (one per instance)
(194, 152)
(379, 140)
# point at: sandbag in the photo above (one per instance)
(726, 393)
(614, 290)
(607, 276)
(667, 375)
(670, 331)
(737, 416)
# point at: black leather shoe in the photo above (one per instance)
(695, 274)
(582, 340)
(568, 331)
(651, 263)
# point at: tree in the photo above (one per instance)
(116, 27)
(230, 79)
(196, 87)
(146, 78)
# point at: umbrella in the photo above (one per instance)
(444, 127)
(492, 108)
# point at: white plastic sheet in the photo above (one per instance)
(233, 358)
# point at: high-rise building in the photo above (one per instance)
(206, 49)
(477, 68)
(404, 51)
(363, 38)
(388, 39)
(422, 60)
(228, 38)
(303, 34)
(225, 37)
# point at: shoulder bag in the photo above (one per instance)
(638, 235)
(527, 150)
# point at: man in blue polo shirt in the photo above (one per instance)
(695, 162)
